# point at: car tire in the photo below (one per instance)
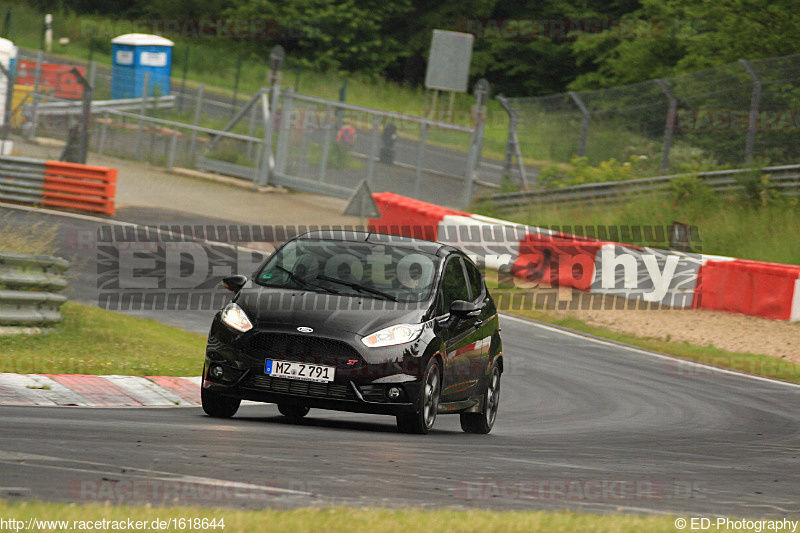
(428, 403)
(217, 405)
(293, 412)
(483, 422)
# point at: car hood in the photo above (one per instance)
(320, 311)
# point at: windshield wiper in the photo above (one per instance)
(358, 287)
(305, 282)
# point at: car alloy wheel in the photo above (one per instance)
(422, 421)
(483, 422)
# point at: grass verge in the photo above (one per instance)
(35, 239)
(345, 519)
(95, 341)
(728, 225)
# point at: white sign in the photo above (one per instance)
(153, 59)
(124, 57)
(448, 61)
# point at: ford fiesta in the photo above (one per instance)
(359, 322)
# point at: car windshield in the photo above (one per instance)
(353, 269)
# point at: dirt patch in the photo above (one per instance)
(728, 331)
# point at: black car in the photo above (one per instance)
(359, 322)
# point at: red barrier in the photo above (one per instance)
(749, 287)
(82, 187)
(58, 78)
(557, 260)
(408, 217)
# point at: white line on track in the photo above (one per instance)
(646, 352)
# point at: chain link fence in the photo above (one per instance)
(726, 115)
(307, 143)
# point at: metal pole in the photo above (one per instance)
(326, 144)
(512, 124)
(252, 130)
(669, 126)
(142, 111)
(103, 127)
(433, 105)
(92, 73)
(522, 174)
(86, 102)
(173, 142)
(584, 122)
(450, 107)
(283, 134)
(423, 137)
(183, 82)
(755, 99)
(7, 111)
(236, 83)
(268, 108)
(372, 149)
(481, 92)
(198, 108)
(262, 176)
(512, 143)
(37, 78)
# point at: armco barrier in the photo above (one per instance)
(21, 179)
(662, 277)
(57, 184)
(28, 287)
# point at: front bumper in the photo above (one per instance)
(362, 379)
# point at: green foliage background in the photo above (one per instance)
(391, 39)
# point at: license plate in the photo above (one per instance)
(300, 371)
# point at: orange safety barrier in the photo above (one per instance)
(83, 187)
(749, 287)
(560, 259)
(58, 78)
(408, 217)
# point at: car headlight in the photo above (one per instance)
(392, 335)
(235, 317)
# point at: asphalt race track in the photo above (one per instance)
(583, 424)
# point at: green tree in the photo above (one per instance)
(684, 36)
(328, 34)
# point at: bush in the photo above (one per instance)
(582, 172)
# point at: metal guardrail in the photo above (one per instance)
(785, 179)
(21, 179)
(67, 107)
(28, 287)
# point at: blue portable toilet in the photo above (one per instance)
(135, 54)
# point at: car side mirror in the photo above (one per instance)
(234, 283)
(464, 309)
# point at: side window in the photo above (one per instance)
(454, 284)
(475, 281)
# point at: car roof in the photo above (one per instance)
(419, 245)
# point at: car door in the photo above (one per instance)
(485, 324)
(460, 336)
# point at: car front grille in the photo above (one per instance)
(264, 382)
(304, 349)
